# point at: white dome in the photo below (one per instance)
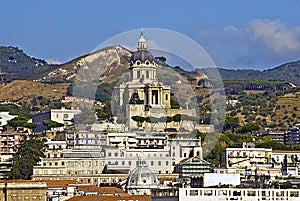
(141, 178)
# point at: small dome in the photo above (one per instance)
(142, 55)
(142, 176)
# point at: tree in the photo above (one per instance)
(52, 124)
(174, 104)
(29, 153)
(138, 119)
(20, 121)
(230, 124)
(248, 128)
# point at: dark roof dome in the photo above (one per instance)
(142, 55)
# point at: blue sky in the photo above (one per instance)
(236, 34)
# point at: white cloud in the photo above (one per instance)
(275, 35)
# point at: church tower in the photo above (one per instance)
(143, 91)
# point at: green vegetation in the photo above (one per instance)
(20, 121)
(15, 110)
(15, 61)
(29, 153)
(52, 124)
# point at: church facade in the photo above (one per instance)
(144, 95)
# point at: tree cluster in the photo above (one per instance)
(29, 153)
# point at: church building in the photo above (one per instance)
(143, 95)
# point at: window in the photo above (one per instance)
(123, 162)
(109, 154)
(116, 154)
(138, 74)
(147, 74)
(129, 162)
(55, 163)
(167, 163)
(159, 163)
(116, 162)
(167, 97)
(62, 163)
(152, 163)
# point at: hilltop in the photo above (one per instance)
(15, 64)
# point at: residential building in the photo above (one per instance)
(117, 156)
(275, 135)
(248, 158)
(9, 141)
(63, 116)
(193, 167)
(292, 136)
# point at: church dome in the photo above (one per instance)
(141, 177)
(142, 55)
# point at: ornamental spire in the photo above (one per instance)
(142, 44)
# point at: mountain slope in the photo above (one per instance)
(17, 65)
(105, 65)
(24, 90)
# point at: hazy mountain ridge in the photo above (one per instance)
(110, 63)
(288, 72)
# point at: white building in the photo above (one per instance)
(118, 155)
(247, 156)
(63, 116)
(4, 118)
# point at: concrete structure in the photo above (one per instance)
(63, 116)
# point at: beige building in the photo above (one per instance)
(248, 159)
(142, 94)
(23, 190)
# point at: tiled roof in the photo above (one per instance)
(101, 190)
(112, 198)
(285, 151)
(59, 183)
(21, 181)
